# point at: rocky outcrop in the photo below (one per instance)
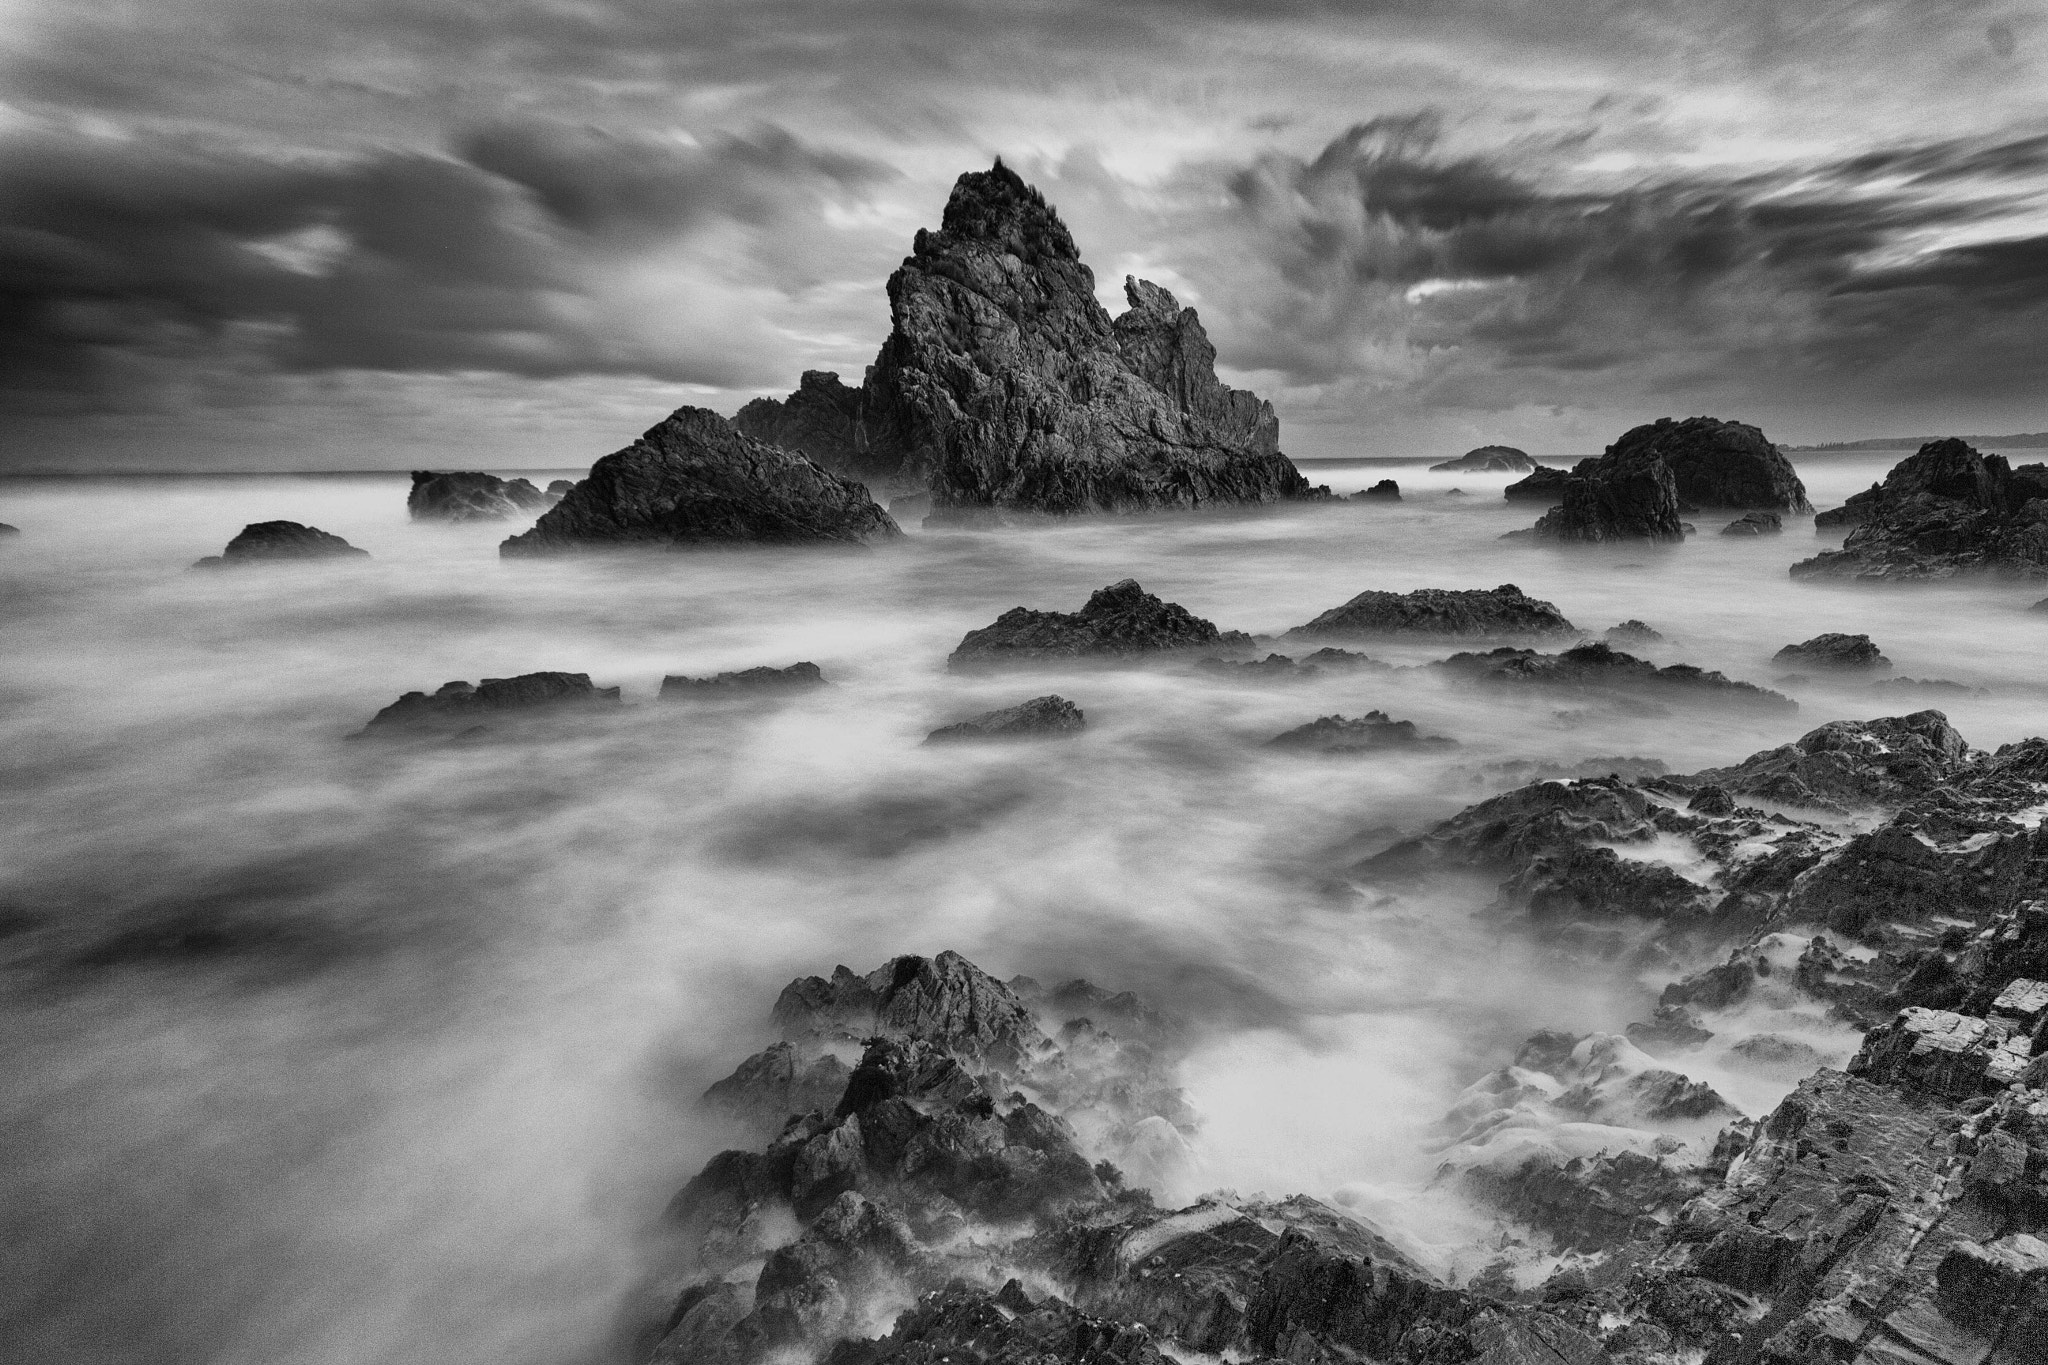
(1009, 392)
(1599, 667)
(1502, 612)
(471, 497)
(6, 530)
(1385, 489)
(1834, 651)
(1946, 511)
(1342, 735)
(457, 706)
(1490, 460)
(1720, 464)
(694, 481)
(1846, 764)
(745, 682)
(1754, 524)
(1040, 718)
(280, 542)
(1632, 632)
(1120, 623)
(1545, 484)
(1625, 494)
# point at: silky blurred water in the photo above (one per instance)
(333, 1052)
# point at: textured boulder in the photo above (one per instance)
(1720, 464)
(1544, 484)
(1834, 651)
(945, 1000)
(1946, 511)
(459, 706)
(1342, 735)
(742, 683)
(1490, 460)
(471, 497)
(1855, 763)
(1039, 718)
(693, 480)
(1598, 666)
(1119, 623)
(277, 542)
(1385, 488)
(1754, 524)
(1625, 494)
(1009, 391)
(1496, 612)
(1632, 632)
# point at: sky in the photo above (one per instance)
(252, 234)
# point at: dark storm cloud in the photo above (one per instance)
(1507, 290)
(390, 261)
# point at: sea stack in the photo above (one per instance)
(470, 496)
(1009, 392)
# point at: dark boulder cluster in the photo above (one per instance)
(280, 542)
(1835, 651)
(1119, 623)
(1502, 612)
(471, 497)
(1007, 390)
(1946, 511)
(1490, 460)
(1638, 488)
(1040, 718)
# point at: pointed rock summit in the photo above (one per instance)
(1007, 390)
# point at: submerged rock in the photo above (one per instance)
(1007, 390)
(1544, 484)
(1755, 524)
(1342, 735)
(273, 542)
(1598, 666)
(1632, 632)
(743, 682)
(693, 480)
(1946, 511)
(1490, 460)
(471, 497)
(1039, 718)
(1502, 611)
(1834, 651)
(1385, 488)
(459, 706)
(1120, 623)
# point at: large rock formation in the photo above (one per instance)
(1474, 612)
(1945, 511)
(1490, 460)
(1720, 464)
(694, 481)
(1626, 494)
(471, 497)
(276, 542)
(1009, 390)
(1119, 623)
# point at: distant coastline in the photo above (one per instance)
(2028, 440)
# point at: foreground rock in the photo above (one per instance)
(1384, 489)
(1545, 484)
(1490, 460)
(275, 542)
(1040, 718)
(471, 497)
(1835, 652)
(1946, 511)
(1599, 667)
(1505, 611)
(746, 682)
(1008, 391)
(695, 481)
(1341, 735)
(458, 707)
(1120, 623)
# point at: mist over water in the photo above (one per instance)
(332, 1052)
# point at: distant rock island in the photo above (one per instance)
(1006, 390)
(1490, 460)
(2026, 440)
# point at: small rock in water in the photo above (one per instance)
(1632, 632)
(1457, 493)
(6, 530)
(558, 489)
(744, 682)
(1119, 623)
(271, 542)
(1272, 668)
(457, 706)
(1038, 718)
(1834, 651)
(1501, 611)
(1755, 524)
(1925, 687)
(1385, 488)
(1342, 735)
(471, 496)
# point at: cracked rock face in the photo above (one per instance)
(1008, 391)
(694, 481)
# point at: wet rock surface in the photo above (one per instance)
(1499, 612)
(1119, 623)
(1045, 717)
(1946, 511)
(1490, 460)
(1006, 390)
(460, 707)
(470, 496)
(693, 480)
(1834, 651)
(280, 542)
(745, 682)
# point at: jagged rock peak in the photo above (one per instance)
(995, 207)
(944, 999)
